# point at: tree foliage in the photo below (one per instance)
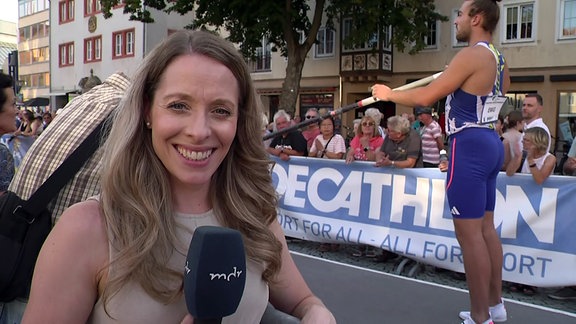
(246, 22)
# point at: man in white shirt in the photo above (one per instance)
(532, 113)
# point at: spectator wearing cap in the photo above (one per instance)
(432, 139)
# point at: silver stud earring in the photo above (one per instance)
(148, 124)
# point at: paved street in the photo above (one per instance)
(566, 309)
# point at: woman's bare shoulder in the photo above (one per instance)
(82, 226)
(83, 216)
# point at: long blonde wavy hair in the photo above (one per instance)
(136, 200)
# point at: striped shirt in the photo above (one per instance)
(430, 150)
(336, 145)
(71, 126)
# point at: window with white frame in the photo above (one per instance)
(41, 54)
(387, 38)
(66, 52)
(346, 31)
(326, 45)
(347, 27)
(66, 11)
(455, 42)
(519, 22)
(129, 43)
(98, 49)
(34, 31)
(431, 37)
(88, 50)
(35, 55)
(93, 49)
(123, 44)
(35, 80)
(118, 41)
(263, 60)
(30, 7)
(567, 19)
(92, 7)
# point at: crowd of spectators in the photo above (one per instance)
(414, 140)
(19, 127)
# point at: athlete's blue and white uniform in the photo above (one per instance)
(477, 153)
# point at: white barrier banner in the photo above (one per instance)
(405, 211)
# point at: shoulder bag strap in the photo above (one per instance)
(64, 173)
(326, 147)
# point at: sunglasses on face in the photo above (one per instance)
(310, 117)
(366, 124)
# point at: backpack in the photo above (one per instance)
(24, 225)
(21, 237)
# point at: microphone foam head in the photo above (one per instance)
(215, 272)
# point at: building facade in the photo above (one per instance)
(33, 48)
(84, 44)
(65, 43)
(537, 37)
(8, 42)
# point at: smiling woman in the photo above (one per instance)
(175, 159)
(193, 124)
(366, 143)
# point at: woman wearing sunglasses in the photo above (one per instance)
(366, 143)
(363, 147)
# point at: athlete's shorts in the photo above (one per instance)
(477, 154)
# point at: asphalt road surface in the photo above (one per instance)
(358, 294)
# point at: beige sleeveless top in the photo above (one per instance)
(133, 305)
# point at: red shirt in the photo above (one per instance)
(359, 154)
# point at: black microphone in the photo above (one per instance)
(215, 274)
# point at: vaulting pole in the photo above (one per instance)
(358, 104)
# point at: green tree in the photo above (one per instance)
(281, 22)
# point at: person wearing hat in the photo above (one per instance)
(432, 139)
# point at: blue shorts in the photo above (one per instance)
(477, 154)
